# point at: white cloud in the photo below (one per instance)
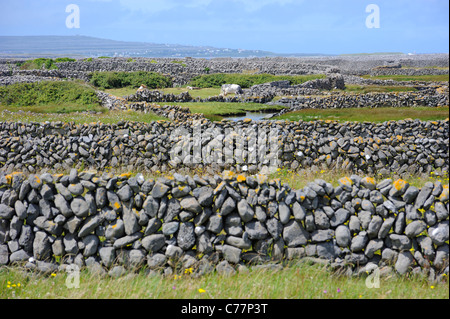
(154, 6)
(254, 5)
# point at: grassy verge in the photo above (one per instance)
(107, 117)
(298, 180)
(444, 77)
(369, 114)
(203, 93)
(300, 281)
(215, 111)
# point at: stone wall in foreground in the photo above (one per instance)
(401, 147)
(109, 223)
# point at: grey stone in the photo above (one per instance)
(319, 236)
(76, 189)
(245, 211)
(125, 193)
(404, 261)
(359, 242)
(215, 224)
(6, 212)
(439, 233)
(256, 230)
(295, 235)
(89, 225)
(153, 243)
(41, 246)
(386, 227)
(343, 236)
(63, 206)
(284, 213)
(70, 244)
(186, 236)
(107, 255)
(117, 272)
(91, 243)
(340, 217)
(415, 228)
(174, 252)
(4, 255)
(191, 204)
(442, 257)
(228, 206)
(326, 250)
(374, 226)
(400, 242)
(423, 195)
(151, 206)
(156, 261)
(19, 256)
(225, 269)
(231, 254)
(130, 218)
(321, 219)
(79, 207)
(274, 227)
(127, 240)
(373, 246)
(298, 211)
(159, 190)
(411, 194)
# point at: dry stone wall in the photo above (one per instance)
(109, 223)
(402, 147)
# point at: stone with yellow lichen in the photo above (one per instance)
(346, 183)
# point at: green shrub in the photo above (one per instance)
(112, 80)
(247, 80)
(47, 92)
(48, 64)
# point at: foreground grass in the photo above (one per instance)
(369, 114)
(300, 281)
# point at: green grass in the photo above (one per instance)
(300, 281)
(444, 77)
(369, 114)
(111, 80)
(215, 111)
(48, 93)
(203, 93)
(107, 117)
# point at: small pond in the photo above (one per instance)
(254, 116)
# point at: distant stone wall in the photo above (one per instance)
(430, 98)
(408, 71)
(401, 147)
(109, 223)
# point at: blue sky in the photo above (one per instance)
(283, 26)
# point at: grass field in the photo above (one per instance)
(299, 281)
(369, 114)
(363, 89)
(444, 77)
(107, 117)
